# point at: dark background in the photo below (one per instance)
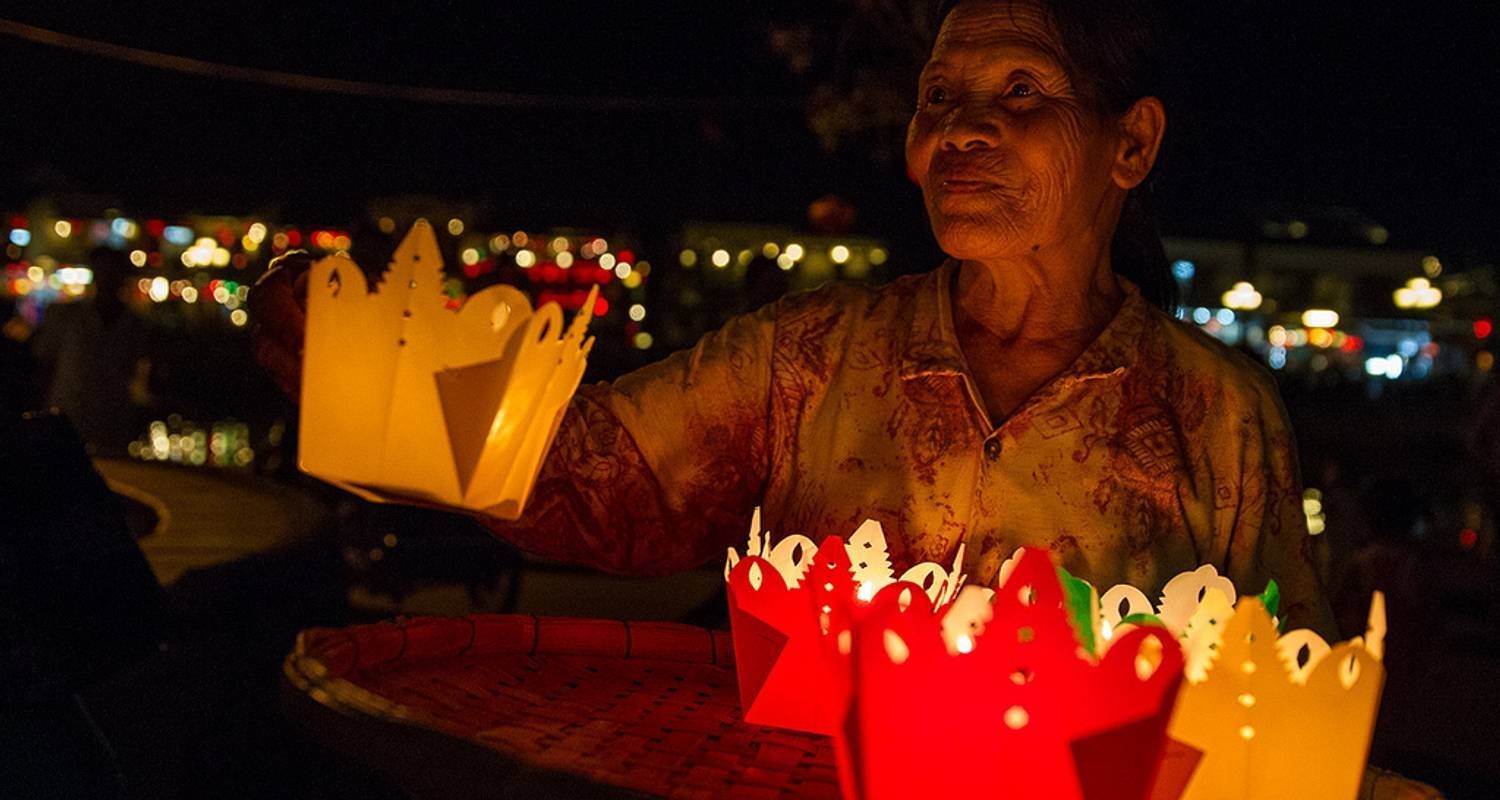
(1378, 107)
(645, 116)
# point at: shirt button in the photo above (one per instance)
(992, 449)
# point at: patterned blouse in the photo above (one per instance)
(1158, 450)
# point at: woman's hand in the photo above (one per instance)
(278, 308)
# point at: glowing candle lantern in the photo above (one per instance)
(1263, 715)
(1268, 725)
(1190, 697)
(791, 611)
(1010, 705)
(404, 398)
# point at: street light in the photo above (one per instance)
(1242, 297)
(1320, 318)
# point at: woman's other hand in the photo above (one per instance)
(278, 309)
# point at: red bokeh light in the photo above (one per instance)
(1352, 344)
(1483, 327)
(601, 307)
(1467, 538)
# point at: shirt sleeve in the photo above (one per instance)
(658, 472)
(1270, 538)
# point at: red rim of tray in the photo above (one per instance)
(648, 706)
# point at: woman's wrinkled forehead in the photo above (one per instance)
(979, 27)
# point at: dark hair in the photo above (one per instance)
(1115, 54)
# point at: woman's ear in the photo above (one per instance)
(1141, 129)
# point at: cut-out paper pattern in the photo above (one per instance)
(1273, 717)
(1179, 608)
(997, 698)
(791, 609)
(1179, 599)
(1302, 711)
(405, 398)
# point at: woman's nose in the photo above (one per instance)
(971, 126)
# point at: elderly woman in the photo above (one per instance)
(1030, 391)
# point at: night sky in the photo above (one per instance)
(1312, 103)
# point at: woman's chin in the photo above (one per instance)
(975, 239)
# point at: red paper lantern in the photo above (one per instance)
(1012, 708)
(792, 644)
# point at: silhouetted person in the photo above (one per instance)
(1484, 442)
(93, 354)
(1390, 562)
(18, 389)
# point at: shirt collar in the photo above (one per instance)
(932, 342)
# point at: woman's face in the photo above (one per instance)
(1009, 157)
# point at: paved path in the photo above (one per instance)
(207, 516)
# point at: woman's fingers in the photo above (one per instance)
(284, 366)
(277, 314)
(299, 289)
(278, 304)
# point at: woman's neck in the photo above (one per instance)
(1021, 300)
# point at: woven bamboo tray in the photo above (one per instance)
(517, 706)
(648, 708)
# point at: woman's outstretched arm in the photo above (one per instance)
(658, 471)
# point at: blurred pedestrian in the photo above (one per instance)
(18, 389)
(94, 357)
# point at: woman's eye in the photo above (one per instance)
(936, 94)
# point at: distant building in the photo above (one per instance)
(1323, 293)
